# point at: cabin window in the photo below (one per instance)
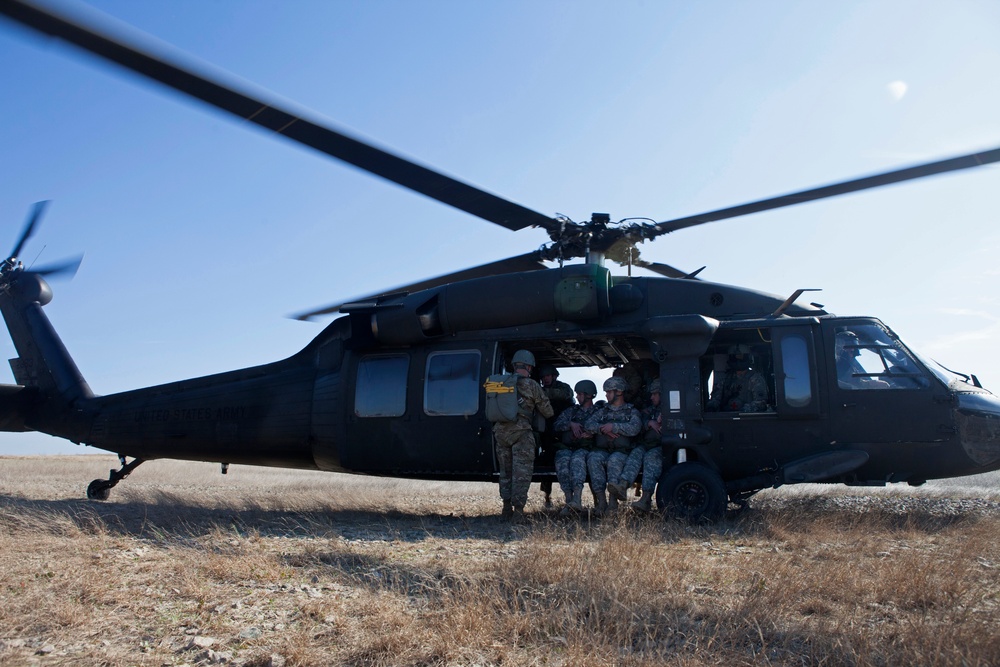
(381, 386)
(452, 386)
(797, 380)
(738, 374)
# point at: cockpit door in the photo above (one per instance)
(879, 392)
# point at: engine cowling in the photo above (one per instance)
(579, 293)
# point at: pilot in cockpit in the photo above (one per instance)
(850, 373)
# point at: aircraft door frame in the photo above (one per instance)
(393, 429)
(796, 381)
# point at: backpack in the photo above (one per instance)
(501, 397)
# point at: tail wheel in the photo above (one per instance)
(99, 489)
(692, 491)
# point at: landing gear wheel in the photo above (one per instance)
(692, 491)
(99, 489)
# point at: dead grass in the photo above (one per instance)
(264, 567)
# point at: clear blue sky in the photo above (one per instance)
(201, 233)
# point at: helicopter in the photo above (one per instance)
(394, 385)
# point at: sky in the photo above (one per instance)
(201, 233)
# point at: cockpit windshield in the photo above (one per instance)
(869, 356)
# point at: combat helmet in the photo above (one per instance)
(615, 383)
(586, 387)
(848, 344)
(523, 357)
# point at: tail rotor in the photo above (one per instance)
(13, 264)
(29, 227)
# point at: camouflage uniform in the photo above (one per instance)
(648, 455)
(740, 393)
(571, 453)
(638, 375)
(561, 396)
(516, 443)
(609, 454)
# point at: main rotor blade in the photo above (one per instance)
(424, 180)
(29, 227)
(526, 262)
(865, 183)
(666, 269)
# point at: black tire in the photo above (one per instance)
(99, 489)
(692, 491)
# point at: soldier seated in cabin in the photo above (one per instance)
(743, 388)
(574, 445)
(614, 425)
(561, 397)
(647, 455)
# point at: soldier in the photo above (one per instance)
(850, 373)
(614, 425)
(561, 397)
(743, 389)
(647, 455)
(574, 445)
(516, 440)
(637, 375)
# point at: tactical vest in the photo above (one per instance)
(623, 443)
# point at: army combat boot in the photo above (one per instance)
(576, 500)
(600, 503)
(644, 504)
(508, 511)
(612, 503)
(568, 508)
(618, 490)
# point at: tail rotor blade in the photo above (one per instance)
(29, 227)
(65, 269)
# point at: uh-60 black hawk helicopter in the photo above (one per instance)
(394, 386)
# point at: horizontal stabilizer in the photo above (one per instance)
(15, 404)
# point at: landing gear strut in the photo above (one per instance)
(100, 489)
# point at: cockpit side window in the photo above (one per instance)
(868, 357)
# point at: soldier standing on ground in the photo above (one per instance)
(561, 397)
(613, 425)
(516, 439)
(574, 445)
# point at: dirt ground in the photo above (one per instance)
(183, 565)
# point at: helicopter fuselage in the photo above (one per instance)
(395, 387)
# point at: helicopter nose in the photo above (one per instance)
(978, 419)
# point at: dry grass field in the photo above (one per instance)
(267, 567)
